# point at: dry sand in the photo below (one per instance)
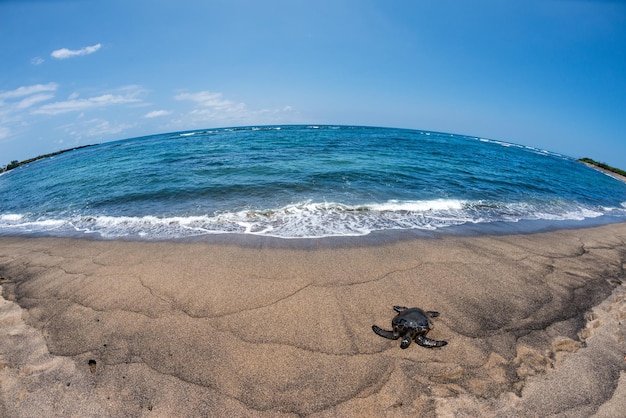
(535, 325)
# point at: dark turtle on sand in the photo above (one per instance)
(411, 324)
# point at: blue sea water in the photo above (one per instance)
(300, 182)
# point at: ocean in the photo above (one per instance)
(296, 182)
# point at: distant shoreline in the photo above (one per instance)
(15, 164)
(604, 169)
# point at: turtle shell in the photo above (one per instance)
(413, 319)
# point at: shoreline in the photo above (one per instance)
(196, 328)
(374, 238)
(610, 173)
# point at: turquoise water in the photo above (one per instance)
(300, 182)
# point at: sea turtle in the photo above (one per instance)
(411, 323)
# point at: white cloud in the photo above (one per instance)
(157, 113)
(37, 61)
(33, 99)
(65, 53)
(207, 99)
(128, 95)
(13, 103)
(27, 91)
(76, 105)
(212, 107)
(285, 110)
(94, 128)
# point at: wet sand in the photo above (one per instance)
(534, 324)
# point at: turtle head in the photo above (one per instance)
(406, 342)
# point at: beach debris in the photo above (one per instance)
(411, 324)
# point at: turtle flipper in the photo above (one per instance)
(424, 341)
(384, 333)
(400, 308)
(432, 314)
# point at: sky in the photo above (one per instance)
(549, 74)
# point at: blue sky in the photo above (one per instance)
(544, 73)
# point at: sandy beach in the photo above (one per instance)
(535, 326)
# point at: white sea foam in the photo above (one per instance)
(314, 220)
(419, 205)
(20, 223)
(11, 217)
(525, 147)
(266, 128)
(307, 219)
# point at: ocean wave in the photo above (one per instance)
(20, 223)
(307, 219)
(11, 217)
(528, 148)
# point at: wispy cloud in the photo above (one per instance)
(65, 53)
(37, 61)
(33, 100)
(212, 107)
(74, 104)
(21, 108)
(14, 102)
(78, 105)
(96, 127)
(157, 114)
(27, 91)
(211, 100)
(13, 105)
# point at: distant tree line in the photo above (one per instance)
(14, 164)
(604, 166)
